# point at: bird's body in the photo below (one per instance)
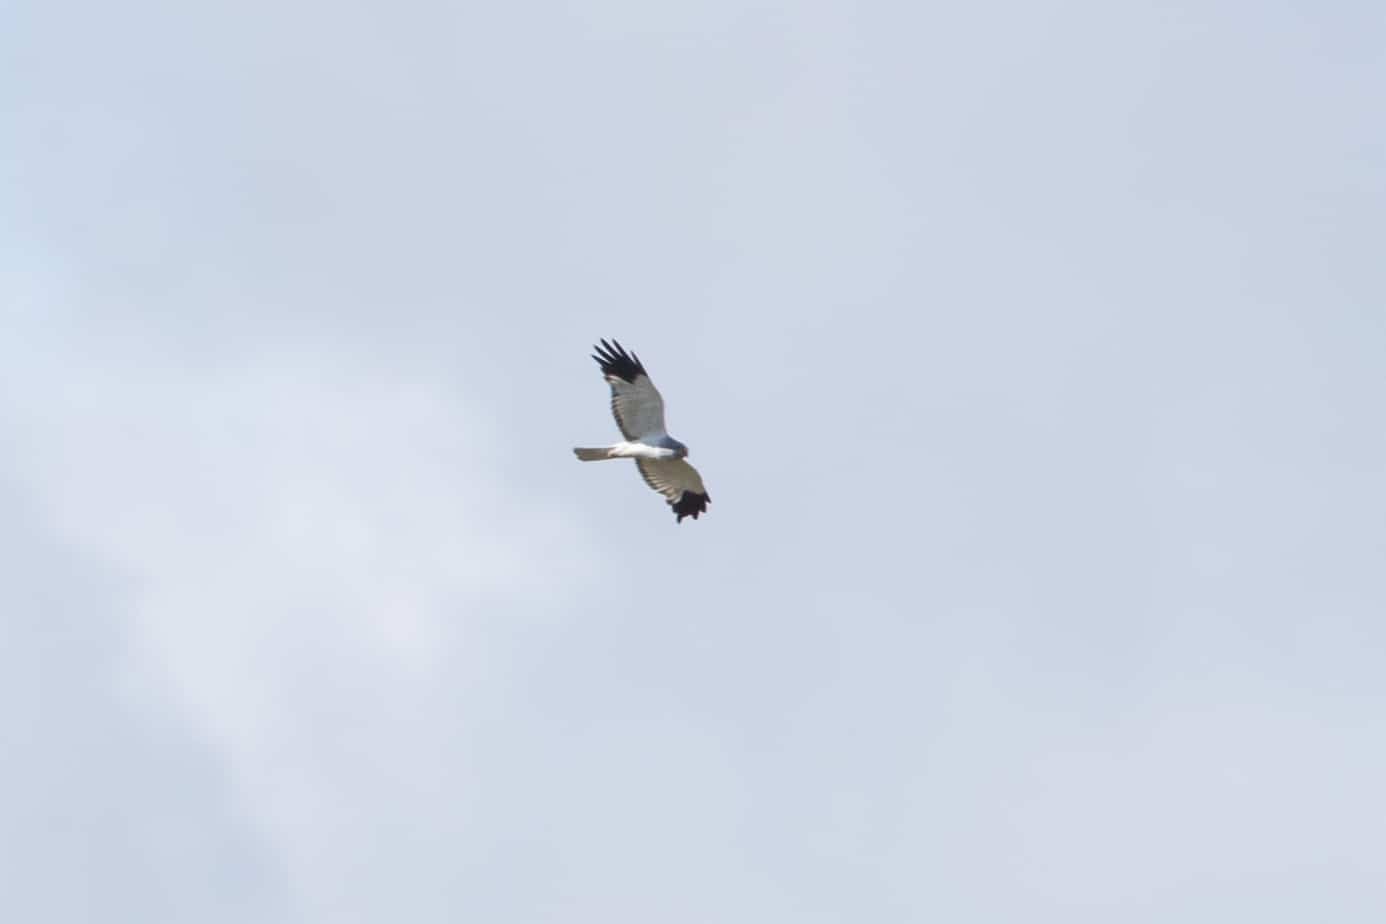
(627, 450)
(639, 411)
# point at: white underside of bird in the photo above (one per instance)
(637, 449)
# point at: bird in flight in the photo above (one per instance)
(639, 412)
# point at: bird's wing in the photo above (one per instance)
(635, 402)
(680, 484)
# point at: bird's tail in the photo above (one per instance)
(593, 455)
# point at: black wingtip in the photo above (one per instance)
(690, 505)
(614, 360)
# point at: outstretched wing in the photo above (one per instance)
(680, 484)
(635, 402)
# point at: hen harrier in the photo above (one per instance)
(639, 412)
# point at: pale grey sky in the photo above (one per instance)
(1033, 354)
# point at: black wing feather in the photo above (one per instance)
(614, 360)
(690, 505)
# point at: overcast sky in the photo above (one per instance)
(1034, 356)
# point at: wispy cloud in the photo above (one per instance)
(313, 556)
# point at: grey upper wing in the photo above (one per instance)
(635, 402)
(680, 484)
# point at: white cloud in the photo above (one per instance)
(314, 551)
